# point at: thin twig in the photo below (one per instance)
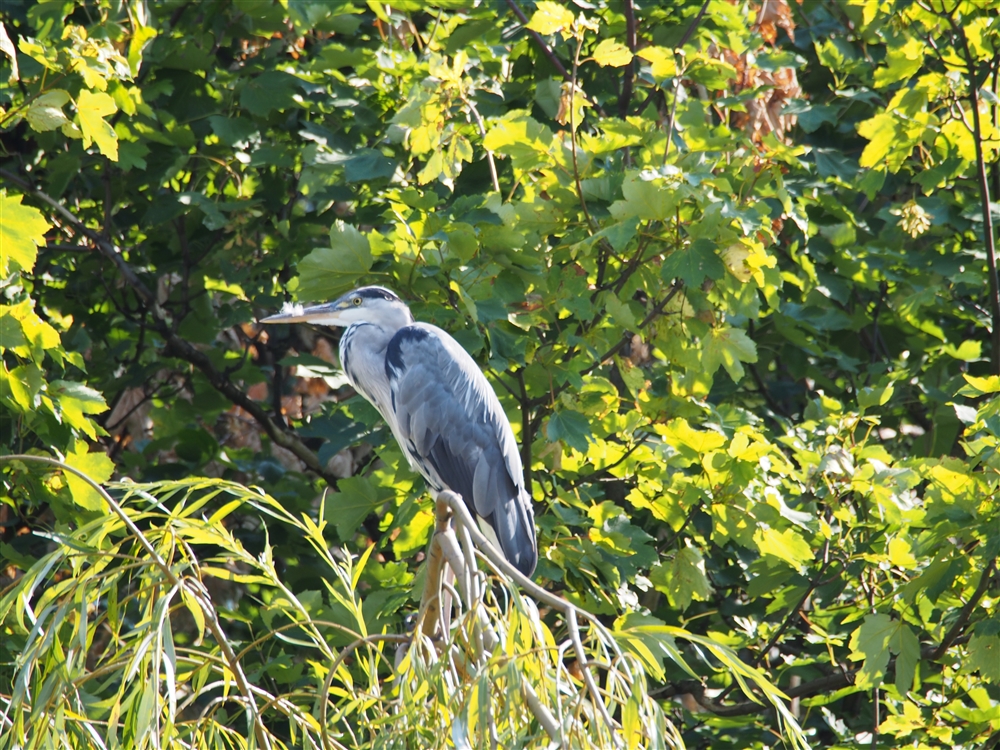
(984, 197)
(482, 132)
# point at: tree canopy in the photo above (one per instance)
(730, 267)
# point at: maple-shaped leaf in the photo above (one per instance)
(91, 109)
(21, 229)
(328, 272)
(550, 17)
(728, 347)
(877, 638)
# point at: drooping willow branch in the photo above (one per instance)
(198, 593)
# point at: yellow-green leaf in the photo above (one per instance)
(979, 386)
(610, 52)
(902, 62)
(661, 61)
(91, 110)
(45, 113)
(21, 229)
(787, 545)
(550, 17)
(900, 554)
(76, 401)
(98, 467)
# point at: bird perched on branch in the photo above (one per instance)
(439, 406)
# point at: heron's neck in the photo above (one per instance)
(362, 357)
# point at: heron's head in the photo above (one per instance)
(368, 304)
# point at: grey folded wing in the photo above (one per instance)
(453, 429)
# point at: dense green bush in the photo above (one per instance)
(730, 268)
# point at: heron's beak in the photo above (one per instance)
(327, 314)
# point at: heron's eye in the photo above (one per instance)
(356, 301)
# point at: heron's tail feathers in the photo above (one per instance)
(515, 530)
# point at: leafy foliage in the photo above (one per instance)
(731, 268)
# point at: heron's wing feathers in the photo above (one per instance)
(453, 429)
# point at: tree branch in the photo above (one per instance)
(625, 98)
(966, 613)
(549, 53)
(984, 198)
(174, 345)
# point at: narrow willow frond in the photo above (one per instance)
(155, 627)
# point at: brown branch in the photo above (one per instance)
(175, 345)
(546, 49)
(984, 198)
(963, 616)
(625, 98)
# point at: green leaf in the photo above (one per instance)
(22, 228)
(693, 264)
(684, 579)
(610, 52)
(984, 655)
(328, 272)
(619, 311)
(350, 505)
(368, 164)
(550, 17)
(11, 335)
(270, 90)
(98, 467)
(234, 131)
(870, 396)
(728, 347)
(873, 641)
(91, 109)
(45, 113)
(571, 427)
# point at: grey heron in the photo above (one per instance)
(440, 408)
